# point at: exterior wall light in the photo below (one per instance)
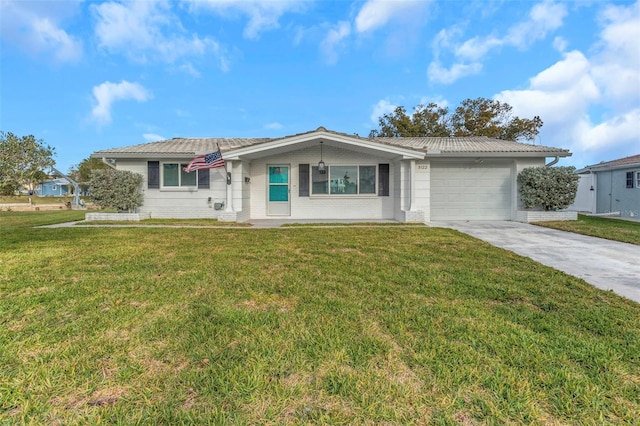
(321, 167)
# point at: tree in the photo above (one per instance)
(22, 161)
(474, 117)
(117, 189)
(430, 120)
(552, 188)
(81, 173)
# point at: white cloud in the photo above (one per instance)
(381, 108)
(619, 55)
(37, 29)
(273, 126)
(544, 18)
(467, 55)
(333, 40)
(378, 13)
(560, 44)
(263, 14)
(477, 47)
(443, 75)
(620, 130)
(590, 104)
(152, 137)
(148, 30)
(107, 93)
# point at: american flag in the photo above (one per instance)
(206, 161)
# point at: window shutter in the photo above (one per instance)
(303, 180)
(153, 174)
(203, 179)
(383, 180)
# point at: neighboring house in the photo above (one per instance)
(54, 188)
(403, 179)
(610, 187)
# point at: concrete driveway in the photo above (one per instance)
(609, 265)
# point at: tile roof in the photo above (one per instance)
(186, 146)
(620, 162)
(435, 145)
(471, 144)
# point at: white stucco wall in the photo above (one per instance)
(320, 206)
(179, 203)
(423, 187)
(586, 196)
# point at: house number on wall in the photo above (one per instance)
(423, 166)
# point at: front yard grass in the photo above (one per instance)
(341, 326)
(611, 229)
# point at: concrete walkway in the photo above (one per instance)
(609, 265)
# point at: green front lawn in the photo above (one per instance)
(611, 229)
(348, 326)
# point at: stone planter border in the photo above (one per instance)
(528, 216)
(134, 217)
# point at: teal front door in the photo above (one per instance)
(278, 203)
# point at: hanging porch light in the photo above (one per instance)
(322, 169)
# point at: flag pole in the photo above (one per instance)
(225, 165)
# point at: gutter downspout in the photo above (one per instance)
(554, 161)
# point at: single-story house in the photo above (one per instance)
(610, 187)
(411, 179)
(54, 188)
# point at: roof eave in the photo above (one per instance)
(143, 155)
(500, 154)
(596, 168)
(327, 137)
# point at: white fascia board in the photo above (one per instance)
(596, 168)
(145, 155)
(325, 137)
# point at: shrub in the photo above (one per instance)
(553, 188)
(116, 189)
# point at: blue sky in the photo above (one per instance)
(91, 75)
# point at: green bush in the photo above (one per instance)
(116, 189)
(552, 188)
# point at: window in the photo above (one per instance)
(173, 175)
(170, 175)
(630, 180)
(637, 179)
(344, 180)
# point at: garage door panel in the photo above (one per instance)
(471, 192)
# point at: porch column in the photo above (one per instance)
(229, 203)
(412, 185)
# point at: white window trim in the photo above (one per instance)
(180, 187)
(636, 181)
(373, 194)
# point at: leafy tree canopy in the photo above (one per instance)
(474, 117)
(23, 161)
(81, 173)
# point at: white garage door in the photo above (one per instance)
(471, 192)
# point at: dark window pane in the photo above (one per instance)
(319, 182)
(153, 174)
(187, 179)
(170, 175)
(367, 179)
(343, 179)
